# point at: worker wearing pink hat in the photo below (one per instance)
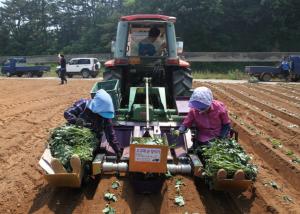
(209, 116)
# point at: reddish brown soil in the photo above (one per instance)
(260, 113)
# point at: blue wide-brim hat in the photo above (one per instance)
(102, 104)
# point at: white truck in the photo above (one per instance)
(84, 67)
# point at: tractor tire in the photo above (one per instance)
(266, 77)
(182, 82)
(85, 73)
(19, 75)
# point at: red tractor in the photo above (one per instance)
(132, 62)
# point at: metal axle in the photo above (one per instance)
(123, 167)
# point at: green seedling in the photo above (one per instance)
(110, 197)
(289, 153)
(68, 140)
(179, 200)
(168, 174)
(287, 199)
(276, 143)
(274, 185)
(226, 154)
(296, 160)
(178, 184)
(115, 185)
(293, 126)
(108, 210)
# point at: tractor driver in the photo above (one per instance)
(96, 114)
(151, 45)
(210, 117)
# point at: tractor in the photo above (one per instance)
(165, 69)
(150, 95)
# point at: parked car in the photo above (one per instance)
(18, 67)
(266, 73)
(85, 67)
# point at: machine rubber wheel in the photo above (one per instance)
(266, 77)
(69, 75)
(182, 82)
(85, 73)
(19, 75)
(29, 74)
(8, 74)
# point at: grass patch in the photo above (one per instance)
(231, 74)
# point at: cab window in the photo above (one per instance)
(139, 32)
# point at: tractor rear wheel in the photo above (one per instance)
(182, 82)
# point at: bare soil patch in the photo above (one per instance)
(30, 108)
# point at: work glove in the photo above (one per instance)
(182, 129)
(80, 122)
(176, 133)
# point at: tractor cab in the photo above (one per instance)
(146, 46)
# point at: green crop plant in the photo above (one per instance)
(226, 154)
(68, 140)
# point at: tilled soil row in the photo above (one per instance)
(283, 90)
(259, 121)
(291, 88)
(25, 127)
(275, 100)
(262, 104)
(270, 170)
(287, 95)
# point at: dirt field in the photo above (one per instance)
(267, 118)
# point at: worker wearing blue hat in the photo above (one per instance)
(96, 114)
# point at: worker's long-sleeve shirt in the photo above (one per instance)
(97, 123)
(209, 124)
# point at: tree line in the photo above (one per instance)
(35, 27)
